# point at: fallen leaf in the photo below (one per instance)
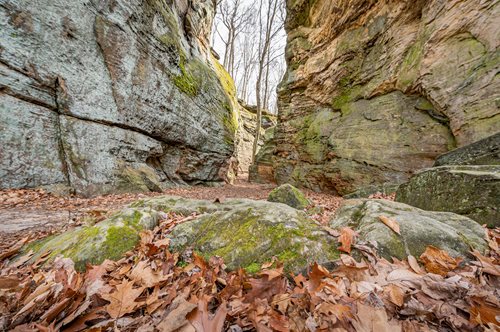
(372, 319)
(412, 261)
(7, 282)
(438, 261)
(392, 224)
(122, 301)
(201, 321)
(483, 312)
(177, 317)
(346, 239)
(487, 264)
(395, 294)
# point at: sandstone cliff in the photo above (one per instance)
(109, 96)
(378, 89)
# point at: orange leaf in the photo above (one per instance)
(392, 224)
(483, 312)
(438, 261)
(346, 238)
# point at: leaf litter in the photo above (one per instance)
(154, 289)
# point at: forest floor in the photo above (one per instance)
(37, 213)
(152, 289)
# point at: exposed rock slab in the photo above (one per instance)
(247, 233)
(128, 87)
(469, 190)
(482, 152)
(453, 233)
(261, 171)
(109, 239)
(375, 91)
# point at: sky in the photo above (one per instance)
(276, 72)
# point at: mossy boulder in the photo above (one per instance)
(247, 233)
(469, 190)
(451, 232)
(289, 195)
(109, 239)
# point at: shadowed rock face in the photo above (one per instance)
(109, 96)
(376, 90)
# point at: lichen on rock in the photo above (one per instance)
(455, 234)
(289, 195)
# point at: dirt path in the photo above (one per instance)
(36, 213)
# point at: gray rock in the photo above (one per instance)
(247, 233)
(469, 190)
(482, 152)
(453, 233)
(90, 89)
(109, 239)
(289, 195)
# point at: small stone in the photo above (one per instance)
(289, 195)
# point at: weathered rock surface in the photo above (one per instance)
(377, 90)
(247, 233)
(289, 195)
(109, 239)
(469, 190)
(453, 233)
(482, 152)
(262, 170)
(104, 96)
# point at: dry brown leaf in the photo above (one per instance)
(392, 224)
(395, 294)
(412, 261)
(7, 282)
(438, 261)
(487, 264)
(122, 301)
(371, 319)
(177, 317)
(346, 239)
(201, 321)
(14, 249)
(483, 312)
(144, 275)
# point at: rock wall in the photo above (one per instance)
(378, 89)
(106, 96)
(246, 135)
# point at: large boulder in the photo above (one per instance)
(453, 233)
(109, 239)
(469, 190)
(247, 233)
(289, 195)
(375, 91)
(109, 96)
(482, 152)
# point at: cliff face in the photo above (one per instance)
(377, 89)
(107, 96)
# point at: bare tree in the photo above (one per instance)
(271, 18)
(235, 17)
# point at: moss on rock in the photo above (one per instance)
(248, 233)
(453, 233)
(289, 195)
(109, 239)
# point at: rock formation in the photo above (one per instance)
(464, 181)
(378, 89)
(110, 96)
